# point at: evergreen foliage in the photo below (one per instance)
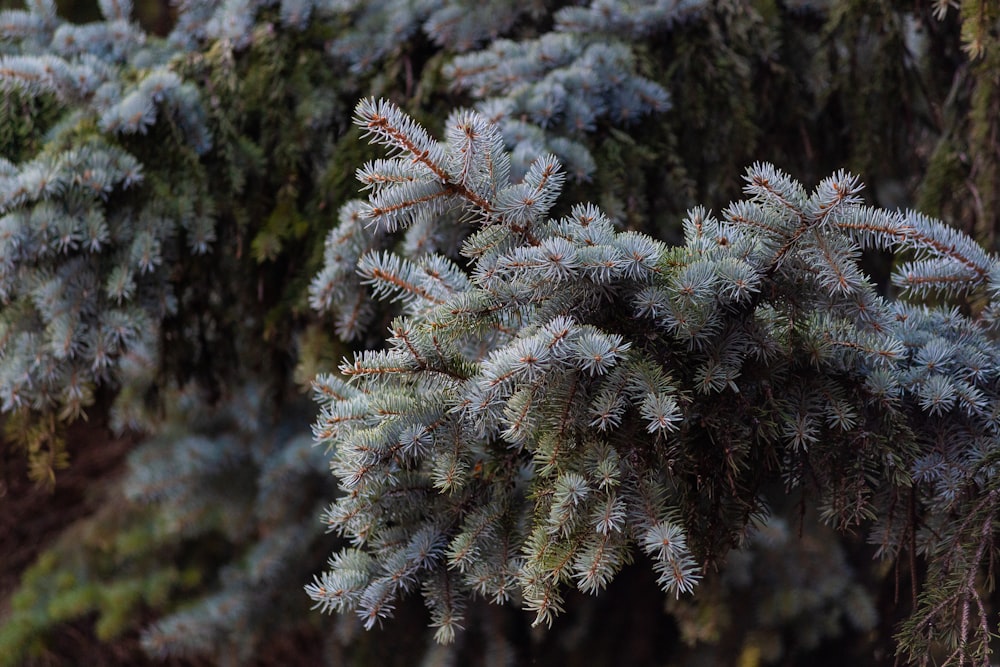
(383, 27)
(577, 395)
(217, 481)
(89, 235)
(562, 394)
(118, 195)
(568, 80)
(232, 315)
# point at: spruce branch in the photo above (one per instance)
(585, 368)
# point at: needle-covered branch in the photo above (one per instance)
(600, 370)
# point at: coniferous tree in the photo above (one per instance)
(215, 479)
(224, 329)
(577, 395)
(686, 94)
(83, 280)
(210, 55)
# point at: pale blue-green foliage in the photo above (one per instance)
(545, 91)
(212, 527)
(82, 277)
(111, 69)
(436, 228)
(548, 91)
(233, 21)
(567, 394)
(86, 243)
(382, 27)
(636, 18)
(225, 470)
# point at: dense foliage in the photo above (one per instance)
(589, 376)
(575, 394)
